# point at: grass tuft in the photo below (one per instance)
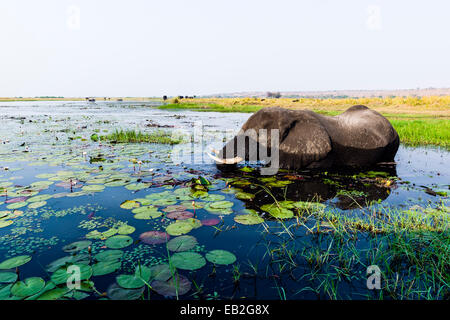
(132, 136)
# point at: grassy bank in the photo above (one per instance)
(423, 132)
(418, 121)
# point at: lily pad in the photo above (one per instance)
(188, 260)
(14, 262)
(134, 281)
(73, 259)
(154, 237)
(118, 242)
(53, 294)
(248, 219)
(105, 267)
(178, 228)
(221, 204)
(8, 277)
(40, 198)
(182, 243)
(277, 212)
(77, 246)
(126, 229)
(162, 272)
(244, 195)
(176, 286)
(93, 188)
(210, 222)
(180, 215)
(115, 292)
(38, 204)
(61, 275)
(220, 257)
(173, 208)
(5, 223)
(28, 287)
(129, 204)
(109, 255)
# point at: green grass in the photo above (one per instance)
(131, 136)
(423, 132)
(211, 107)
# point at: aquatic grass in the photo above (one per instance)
(132, 136)
(423, 132)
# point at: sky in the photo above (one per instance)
(149, 48)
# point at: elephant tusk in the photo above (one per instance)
(225, 161)
(216, 152)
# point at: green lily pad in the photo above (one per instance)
(178, 228)
(105, 267)
(277, 212)
(143, 201)
(5, 223)
(118, 242)
(129, 204)
(14, 262)
(77, 246)
(42, 197)
(134, 281)
(5, 292)
(244, 195)
(188, 260)
(53, 294)
(38, 204)
(220, 257)
(248, 219)
(28, 287)
(61, 275)
(126, 229)
(182, 243)
(221, 204)
(109, 255)
(93, 188)
(73, 259)
(137, 186)
(16, 205)
(8, 277)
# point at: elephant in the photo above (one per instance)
(357, 138)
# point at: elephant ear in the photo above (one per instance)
(305, 142)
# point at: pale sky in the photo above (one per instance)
(194, 47)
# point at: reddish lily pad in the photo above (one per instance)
(210, 222)
(154, 237)
(180, 215)
(178, 285)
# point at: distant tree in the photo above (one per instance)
(164, 98)
(273, 95)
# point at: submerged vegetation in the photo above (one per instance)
(132, 136)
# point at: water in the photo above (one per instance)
(53, 138)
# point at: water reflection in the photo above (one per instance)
(347, 189)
